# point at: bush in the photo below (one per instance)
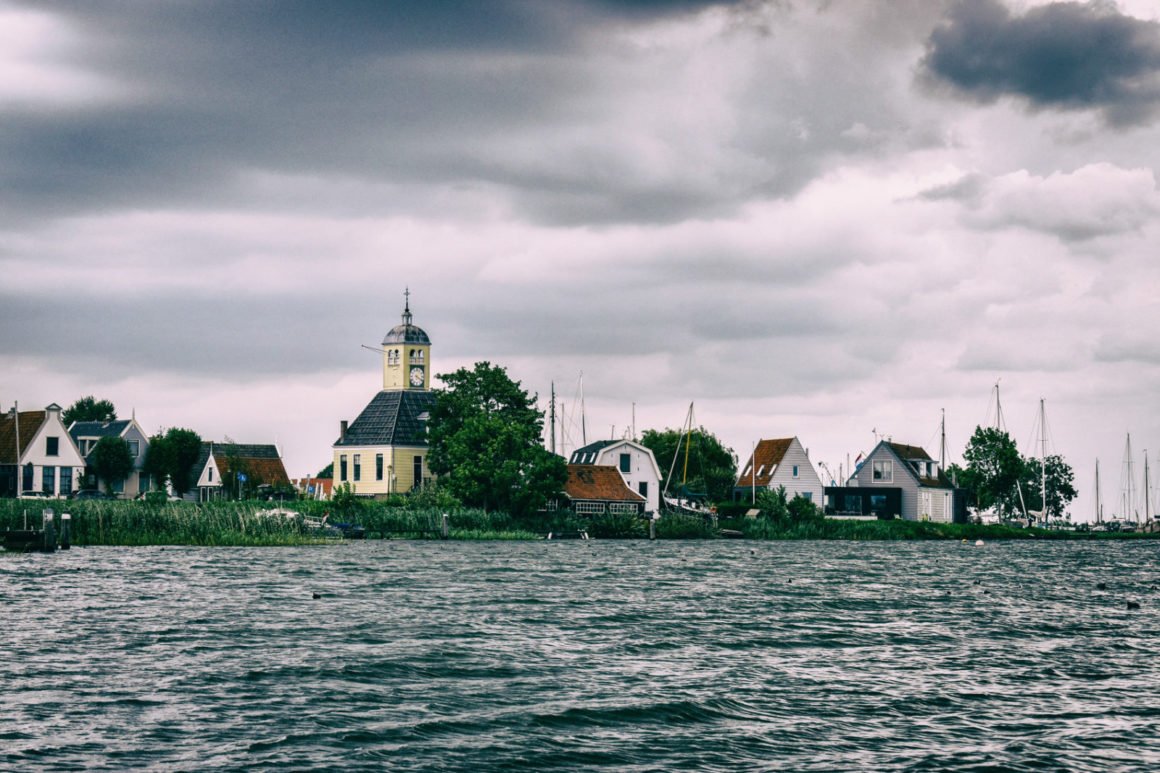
(617, 526)
(682, 526)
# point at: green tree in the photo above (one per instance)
(994, 469)
(171, 457)
(112, 461)
(327, 471)
(484, 436)
(89, 409)
(1060, 485)
(703, 464)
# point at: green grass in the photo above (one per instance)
(238, 523)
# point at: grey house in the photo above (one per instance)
(926, 492)
(86, 434)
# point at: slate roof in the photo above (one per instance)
(598, 482)
(30, 422)
(766, 457)
(913, 454)
(261, 459)
(98, 429)
(394, 417)
(589, 452)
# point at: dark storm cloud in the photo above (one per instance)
(1067, 56)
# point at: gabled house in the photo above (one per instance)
(37, 454)
(635, 463)
(241, 464)
(86, 435)
(384, 450)
(926, 494)
(779, 462)
(598, 489)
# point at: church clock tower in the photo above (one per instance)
(406, 354)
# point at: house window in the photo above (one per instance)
(135, 448)
(642, 487)
(884, 471)
(806, 495)
(795, 472)
(853, 503)
(342, 467)
(210, 473)
(622, 508)
(26, 484)
(626, 462)
(929, 469)
(588, 508)
(378, 466)
(48, 480)
(66, 480)
(52, 446)
(358, 466)
(877, 503)
(142, 484)
(760, 470)
(417, 470)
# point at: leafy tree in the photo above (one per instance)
(1060, 485)
(484, 436)
(327, 471)
(171, 457)
(994, 469)
(111, 460)
(775, 505)
(89, 409)
(711, 468)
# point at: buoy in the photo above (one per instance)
(978, 543)
(1133, 605)
(1102, 586)
(317, 595)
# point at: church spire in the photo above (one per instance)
(407, 306)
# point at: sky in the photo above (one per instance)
(832, 220)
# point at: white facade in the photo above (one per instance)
(792, 470)
(56, 464)
(924, 498)
(636, 465)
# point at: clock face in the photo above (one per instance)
(416, 376)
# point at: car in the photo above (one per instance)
(90, 493)
(33, 495)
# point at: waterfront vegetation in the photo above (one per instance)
(248, 523)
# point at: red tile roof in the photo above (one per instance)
(598, 482)
(30, 421)
(767, 455)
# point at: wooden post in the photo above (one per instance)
(65, 531)
(446, 526)
(49, 532)
(652, 528)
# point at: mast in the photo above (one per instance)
(998, 410)
(1043, 457)
(688, 432)
(553, 441)
(1128, 483)
(583, 426)
(19, 471)
(1147, 496)
(1099, 508)
(942, 451)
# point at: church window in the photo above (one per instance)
(378, 466)
(342, 467)
(358, 466)
(419, 356)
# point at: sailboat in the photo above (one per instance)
(684, 500)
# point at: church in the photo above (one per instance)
(384, 451)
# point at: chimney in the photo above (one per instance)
(342, 425)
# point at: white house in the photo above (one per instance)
(780, 462)
(37, 454)
(927, 493)
(635, 462)
(86, 435)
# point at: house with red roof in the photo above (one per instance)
(37, 454)
(924, 491)
(248, 466)
(594, 489)
(779, 462)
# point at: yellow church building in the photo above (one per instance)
(383, 451)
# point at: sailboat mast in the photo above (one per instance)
(1099, 509)
(583, 420)
(1043, 457)
(942, 451)
(688, 432)
(1147, 495)
(553, 441)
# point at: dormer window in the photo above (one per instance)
(761, 470)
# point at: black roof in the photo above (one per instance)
(99, 429)
(578, 456)
(395, 417)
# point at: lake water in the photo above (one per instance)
(612, 655)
